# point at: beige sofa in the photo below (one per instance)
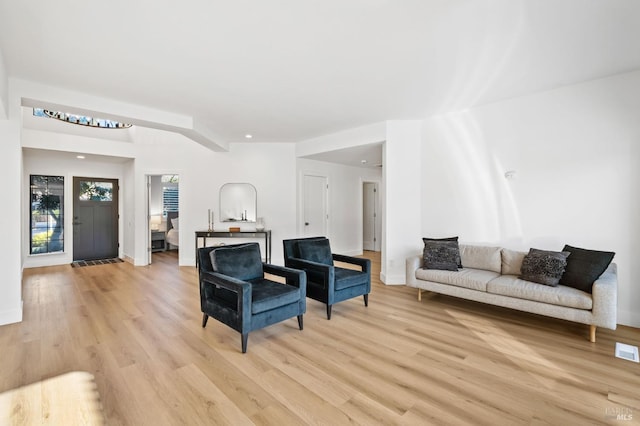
(490, 275)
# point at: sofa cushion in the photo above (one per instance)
(543, 266)
(474, 279)
(481, 257)
(512, 261)
(584, 267)
(240, 261)
(425, 239)
(512, 286)
(443, 255)
(316, 251)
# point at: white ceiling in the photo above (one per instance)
(290, 70)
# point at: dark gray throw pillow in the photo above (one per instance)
(242, 261)
(425, 239)
(443, 255)
(544, 267)
(316, 251)
(584, 267)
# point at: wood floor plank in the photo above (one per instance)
(399, 361)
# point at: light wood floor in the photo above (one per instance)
(399, 361)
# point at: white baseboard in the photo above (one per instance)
(11, 316)
(392, 279)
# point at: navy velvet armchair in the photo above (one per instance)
(326, 282)
(234, 291)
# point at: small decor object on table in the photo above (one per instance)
(234, 229)
(260, 224)
(210, 219)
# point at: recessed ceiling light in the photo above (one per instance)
(81, 157)
(363, 161)
(248, 136)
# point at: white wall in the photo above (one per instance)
(269, 167)
(576, 156)
(345, 201)
(127, 218)
(11, 196)
(401, 197)
(4, 89)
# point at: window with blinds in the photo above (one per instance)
(170, 199)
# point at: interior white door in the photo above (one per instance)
(370, 215)
(315, 213)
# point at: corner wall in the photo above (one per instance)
(401, 197)
(11, 196)
(345, 202)
(4, 89)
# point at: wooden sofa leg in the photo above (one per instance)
(205, 317)
(419, 295)
(592, 333)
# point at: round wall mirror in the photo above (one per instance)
(238, 202)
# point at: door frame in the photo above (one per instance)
(377, 244)
(301, 198)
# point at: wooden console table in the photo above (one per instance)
(266, 234)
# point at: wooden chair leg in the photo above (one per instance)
(245, 337)
(419, 295)
(366, 299)
(205, 317)
(328, 312)
(300, 322)
(592, 333)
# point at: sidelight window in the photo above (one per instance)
(47, 218)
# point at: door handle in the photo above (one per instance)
(306, 224)
(77, 223)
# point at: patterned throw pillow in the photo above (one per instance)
(544, 267)
(425, 239)
(443, 255)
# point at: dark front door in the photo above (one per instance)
(95, 218)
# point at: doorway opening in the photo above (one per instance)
(371, 217)
(163, 217)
